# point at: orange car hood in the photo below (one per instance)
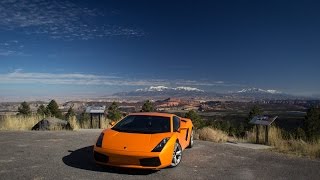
(132, 141)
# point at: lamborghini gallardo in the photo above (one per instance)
(144, 140)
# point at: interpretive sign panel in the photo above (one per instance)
(263, 120)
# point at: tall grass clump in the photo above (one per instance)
(86, 124)
(211, 134)
(282, 142)
(74, 123)
(13, 122)
(105, 123)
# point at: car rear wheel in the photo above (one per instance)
(177, 155)
(191, 140)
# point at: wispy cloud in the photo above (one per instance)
(12, 48)
(206, 83)
(58, 20)
(20, 77)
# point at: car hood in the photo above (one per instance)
(132, 141)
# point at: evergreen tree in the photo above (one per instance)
(225, 126)
(195, 118)
(41, 110)
(47, 112)
(24, 109)
(113, 112)
(312, 124)
(54, 110)
(255, 111)
(147, 107)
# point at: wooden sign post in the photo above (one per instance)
(95, 111)
(264, 121)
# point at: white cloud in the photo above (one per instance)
(20, 77)
(58, 20)
(11, 48)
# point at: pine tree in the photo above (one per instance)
(195, 118)
(113, 112)
(255, 111)
(41, 110)
(312, 124)
(147, 107)
(24, 109)
(53, 109)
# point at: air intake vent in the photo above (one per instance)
(100, 157)
(152, 162)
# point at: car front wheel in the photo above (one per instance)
(177, 155)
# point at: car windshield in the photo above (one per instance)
(143, 124)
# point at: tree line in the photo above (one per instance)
(310, 130)
(52, 110)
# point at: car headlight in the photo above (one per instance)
(160, 146)
(99, 141)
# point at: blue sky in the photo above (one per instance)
(98, 48)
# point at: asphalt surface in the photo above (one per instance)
(68, 155)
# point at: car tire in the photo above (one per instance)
(177, 155)
(191, 142)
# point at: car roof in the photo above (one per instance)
(153, 114)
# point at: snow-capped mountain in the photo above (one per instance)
(187, 89)
(164, 88)
(258, 90)
(258, 93)
(192, 92)
(164, 91)
(153, 88)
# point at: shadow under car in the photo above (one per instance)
(83, 159)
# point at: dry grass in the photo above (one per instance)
(211, 134)
(290, 146)
(19, 122)
(105, 124)
(86, 124)
(74, 123)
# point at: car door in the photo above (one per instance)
(181, 131)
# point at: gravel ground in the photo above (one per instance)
(68, 155)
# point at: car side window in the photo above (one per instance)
(176, 123)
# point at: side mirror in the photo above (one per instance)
(111, 123)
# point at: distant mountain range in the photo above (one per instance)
(191, 92)
(258, 90)
(164, 88)
(163, 91)
(257, 93)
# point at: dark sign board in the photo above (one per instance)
(263, 120)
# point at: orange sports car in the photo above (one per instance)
(145, 140)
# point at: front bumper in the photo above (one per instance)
(129, 159)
